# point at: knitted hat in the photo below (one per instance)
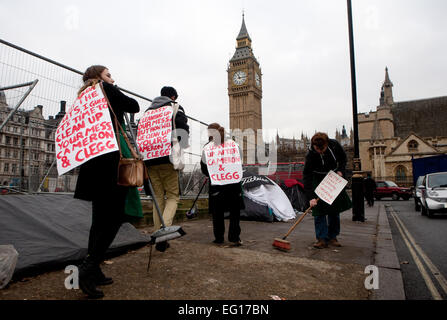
(169, 92)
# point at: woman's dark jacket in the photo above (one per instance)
(318, 165)
(98, 176)
(222, 197)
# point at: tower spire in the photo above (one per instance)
(386, 93)
(243, 43)
(243, 33)
(387, 78)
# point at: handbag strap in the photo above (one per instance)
(118, 125)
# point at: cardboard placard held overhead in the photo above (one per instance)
(85, 132)
(154, 133)
(330, 187)
(223, 162)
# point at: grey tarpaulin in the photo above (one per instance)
(51, 229)
(254, 211)
(8, 261)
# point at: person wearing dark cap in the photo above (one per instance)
(324, 155)
(163, 176)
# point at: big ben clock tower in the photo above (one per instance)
(245, 92)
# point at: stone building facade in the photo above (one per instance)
(396, 132)
(27, 146)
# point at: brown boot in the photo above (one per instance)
(320, 244)
(334, 242)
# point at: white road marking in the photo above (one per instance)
(430, 285)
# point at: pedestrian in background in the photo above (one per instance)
(163, 176)
(97, 182)
(324, 155)
(223, 198)
(369, 186)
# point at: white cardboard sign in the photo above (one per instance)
(154, 133)
(85, 132)
(223, 162)
(330, 187)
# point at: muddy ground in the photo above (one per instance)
(195, 269)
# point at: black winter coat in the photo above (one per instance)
(334, 158)
(98, 176)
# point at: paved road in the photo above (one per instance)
(421, 245)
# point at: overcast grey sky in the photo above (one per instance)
(302, 46)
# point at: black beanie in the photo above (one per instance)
(169, 92)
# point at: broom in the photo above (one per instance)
(282, 244)
(191, 212)
(164, 233)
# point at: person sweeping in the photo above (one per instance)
(324, 155)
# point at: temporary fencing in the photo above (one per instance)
(35, 92)
(27, 146)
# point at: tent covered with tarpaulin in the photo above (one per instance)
(52, 230)
(294, 189)
(264, 200)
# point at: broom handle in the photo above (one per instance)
(200, 191)
(297, 222)
(156, 202)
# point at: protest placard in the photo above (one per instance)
(223, 162)
(85, 132)
(154, 133)
(330, 187)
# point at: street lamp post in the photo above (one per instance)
(358, 205)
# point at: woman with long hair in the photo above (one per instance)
(97, 182)
(223, 198)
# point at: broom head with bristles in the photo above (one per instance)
(167, 233)
(281, 244)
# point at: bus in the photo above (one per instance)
(277, 172)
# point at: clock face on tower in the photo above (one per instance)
(239, 77)
(257, 79)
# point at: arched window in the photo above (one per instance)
(401, 175)
(413, 146)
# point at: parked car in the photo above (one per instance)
(434, 194)
(417, 193)
(390, 189)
